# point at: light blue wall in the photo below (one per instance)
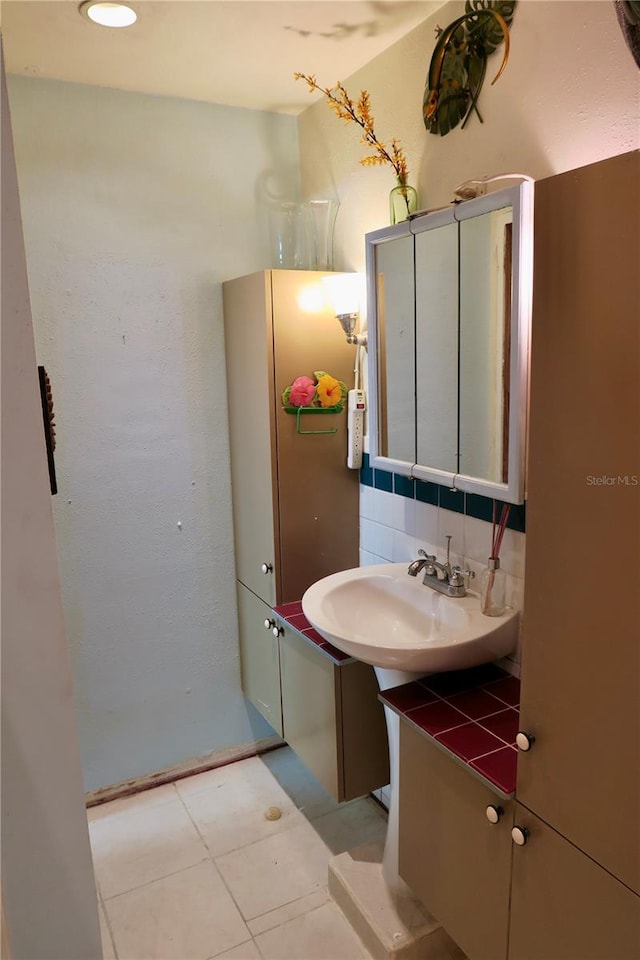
(135, 209)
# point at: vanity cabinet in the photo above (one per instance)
(295, 519)
(565, 906)
(332, 718)
(452, 856)
(328, 712)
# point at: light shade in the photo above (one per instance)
(109, 14)
(344, 293)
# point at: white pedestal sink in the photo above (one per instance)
(386, 680)
(404, 629)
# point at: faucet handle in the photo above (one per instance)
(416, 565)
(429, 561)
(457, 576)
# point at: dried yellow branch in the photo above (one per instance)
(343, 106)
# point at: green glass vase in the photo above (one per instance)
(403, 201)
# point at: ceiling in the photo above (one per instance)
(237, 52)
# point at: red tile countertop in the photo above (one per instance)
(292, 615)
(472, 714)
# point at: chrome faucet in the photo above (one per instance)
(442, 577)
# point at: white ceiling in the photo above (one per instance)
(238, 52)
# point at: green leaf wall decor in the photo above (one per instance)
(459, 63)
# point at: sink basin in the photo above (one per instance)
(386, 618)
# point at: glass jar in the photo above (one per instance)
(403, 200)
(320, 219)
(288, 236)
(493, 589)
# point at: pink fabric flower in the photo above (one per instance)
(303, 390)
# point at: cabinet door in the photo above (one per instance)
(259, 657)
(309, 708)
(318, 495)
(564, 906)
(581, 611)
(453, 858)
(363, 731)
(249, 355)
(333, 719)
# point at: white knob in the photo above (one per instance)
(524, 741)
(277, 631)
(493, 813)
(269, 624)
(266, 567)
(520, 835)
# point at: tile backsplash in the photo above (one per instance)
(398, 516)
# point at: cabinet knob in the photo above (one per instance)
(277, 630)
(269, 624)
(266, 568)
(524, 741)
(520, 835)
(493, 813)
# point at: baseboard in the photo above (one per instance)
(197, 765)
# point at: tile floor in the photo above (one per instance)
(193, 870)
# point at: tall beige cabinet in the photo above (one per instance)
(576, 880)
(295, 503)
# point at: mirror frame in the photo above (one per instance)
(520, 198)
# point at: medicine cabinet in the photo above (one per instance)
(449, 298)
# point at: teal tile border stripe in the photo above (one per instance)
(469, 504)
(404, 486)
(427, 492)
(383, 480)
(366, 472)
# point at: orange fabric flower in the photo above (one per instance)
(329, 391)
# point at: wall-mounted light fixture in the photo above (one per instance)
(108, 14)
(344, 293)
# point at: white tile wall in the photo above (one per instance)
(393, 528)
(426, 521)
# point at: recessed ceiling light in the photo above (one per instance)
(109, 14)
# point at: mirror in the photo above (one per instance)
(396, 313)
(449, 317)
(485, 299)
(437, 346)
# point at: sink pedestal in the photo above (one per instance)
(392, 924)
(386, 680)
